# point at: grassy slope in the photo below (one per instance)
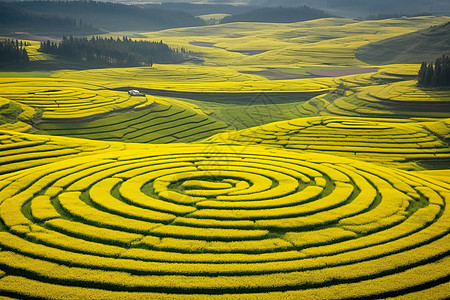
(416, 47)
(318, 42)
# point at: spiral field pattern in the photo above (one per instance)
(199, 220)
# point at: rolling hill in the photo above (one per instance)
(277, 15)
(422, 45)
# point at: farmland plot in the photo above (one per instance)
(191, 220)
(400, 143)
(76, 109)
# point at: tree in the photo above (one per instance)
(13, 51)
(437, 75)
(421, 75)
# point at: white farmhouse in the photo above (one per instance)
(135, 93)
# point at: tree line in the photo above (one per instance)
(437, 75)
(13, 51)
(119, 52)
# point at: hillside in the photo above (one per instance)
(361, 8)
(15, 18)
(113, 16)
(422, 45)
(277, 15)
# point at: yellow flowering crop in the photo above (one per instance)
(315, 222)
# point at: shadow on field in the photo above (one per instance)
(243, 98)
(56, 64)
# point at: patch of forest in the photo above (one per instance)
(411, 48)
(13, 51)
(117, 52)
(435, 75)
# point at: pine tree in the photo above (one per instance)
(13, 51)
(421, 75)
(437, 75)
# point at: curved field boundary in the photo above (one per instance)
(24, 151)
(198, 221)
(400, 144)
(369, 95)
(75, 109)
(401, 99)
(193, 79)
(64, 99)
(164, 121)
(406, 92)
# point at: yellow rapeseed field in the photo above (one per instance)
(397, 142)
(113, 223)
(280, 167)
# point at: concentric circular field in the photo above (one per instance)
(400, 99)
(375, 140)
(69, 100)
(189, 221)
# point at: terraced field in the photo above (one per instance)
(401, 99)
(194, 220)
(391, 92)
(76, 109)
(62, 99)
(397, 142)
(242, 102)
(162, 122)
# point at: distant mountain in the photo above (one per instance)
(363, 8)
(14, 18)
(278, 15)
(416, 47)
(113, 16)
